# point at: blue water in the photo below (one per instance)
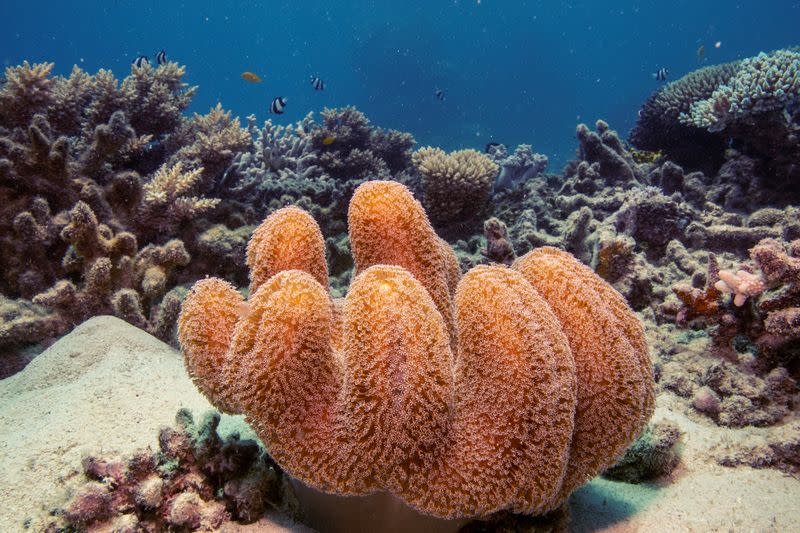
(512, 71)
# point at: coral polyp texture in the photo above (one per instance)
(504, 389)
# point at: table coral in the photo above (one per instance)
(763, 83)
(658, 126)
(502, 390)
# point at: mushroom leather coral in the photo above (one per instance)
(502, 390)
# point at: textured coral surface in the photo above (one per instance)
(505, 389)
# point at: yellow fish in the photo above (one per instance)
(251, 77)
(327, 141)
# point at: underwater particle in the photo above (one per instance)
(251, 77)
(161, 57)
(317, 83)
(661, 74)
(277, 105)
(717, 44)
(141, 61)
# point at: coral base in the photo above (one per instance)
(331, 513)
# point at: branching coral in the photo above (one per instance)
(351, 148)
(455, 186)
(166, 202)
(26, 91)
(771, 321)
(520, 166)
(211, 142)
(504, 390)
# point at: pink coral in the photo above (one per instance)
(742, 284)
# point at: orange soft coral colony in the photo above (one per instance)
(505, 389)
(615, 384)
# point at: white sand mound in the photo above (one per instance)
(108, 386)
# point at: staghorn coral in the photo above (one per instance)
(166, 201)
(27, 90)
(761, 84)
(455, 186)
(382, 392)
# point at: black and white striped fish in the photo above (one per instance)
(439, 94)
(278, 103)
(317, 83)
(161, 57)
(661, 74)
(141, 61)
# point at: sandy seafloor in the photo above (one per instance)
(109, 387)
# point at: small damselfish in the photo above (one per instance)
(278, 103)
(661, 74)
(141, 61)
(317, 83)
(161, 57)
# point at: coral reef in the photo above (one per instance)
(750, 104)
(356, 396)
(103, 186)
(316, 166)
(456, 186)
(351, 148)
(659, 127)
(661, 236)
(196, 482)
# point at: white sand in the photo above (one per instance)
(699, 496)
(109, 386)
